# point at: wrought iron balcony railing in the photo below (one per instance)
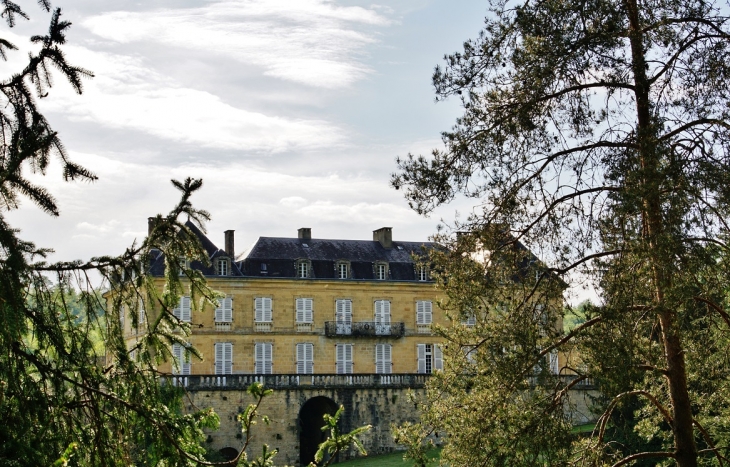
(289, 381)
(364, 329)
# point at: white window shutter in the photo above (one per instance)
(383, 362)
(420, 315)
(185, 309)
(438, 358)
(421, 352)
(300, 310)
(263, 357)
(228, 309)
(554, 364)
(308, 310)
(219, 358)
(344, 358)
(223, 358)
(304, 310)
(228, 358)
(267, 310)
(259, 307)
(382, 312)
(142, 315)
(301, 361)
(177, 355)
(224, 311)
(344, 312)
(305, 360)
(387, 358)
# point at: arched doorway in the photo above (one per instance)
(310, 426)
(229, 454)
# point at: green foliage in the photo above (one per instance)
(597, 133)
(337, 442)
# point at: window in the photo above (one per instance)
(262, 307)
(424, 312)
(263, 358)
(422, 273)
(304, 310)
(343, 270)
(182, 310)
(303, 267)
(223, 358)
(305, 359)
(122, 313)
(343, 363)
(381, 271)
(554, 363)
(222, 268)
(183, 264)
(382, 317)
(430, 358)
(141, 314)
(471, 319)
(383, 359)
(181, 365)
(224, 311)
(343, 316)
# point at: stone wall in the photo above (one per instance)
(379, 407)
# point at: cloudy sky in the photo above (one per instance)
(292, 111)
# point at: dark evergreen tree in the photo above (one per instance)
(597, 133)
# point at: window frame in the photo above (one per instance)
(424, 312)
(381, 271)
(223, 262)
(383, 359)
(344, 365)
(304, 352)
(430, 358)
(181, 355)
(302, 313)
(264, 358)
(303, 269)
(261, 313)
(342, 270)
(223, 365)
(223, 313)
(182, 311)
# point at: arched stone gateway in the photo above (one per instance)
(310, 426)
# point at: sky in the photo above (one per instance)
(291, 111)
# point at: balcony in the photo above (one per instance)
(364, 329)
(290, 381)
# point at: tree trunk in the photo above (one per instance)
(659, 254)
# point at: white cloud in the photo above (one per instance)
(126, 94)
(311, 42)
(293, 201)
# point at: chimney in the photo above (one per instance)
(384, 235)
(151, 224)
(305, 233)
(230, 250)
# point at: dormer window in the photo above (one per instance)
(343, 270)
(303, 268)
(422, 273)
(183, 264)
(223, 267)
(381, 271)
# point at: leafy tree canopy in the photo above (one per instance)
(595, 132)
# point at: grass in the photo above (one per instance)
(580, 429)
(394, 459)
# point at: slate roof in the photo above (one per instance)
(277, 257)
(157, 258)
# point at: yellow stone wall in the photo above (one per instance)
(284, 334)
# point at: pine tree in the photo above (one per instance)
(597, 133)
